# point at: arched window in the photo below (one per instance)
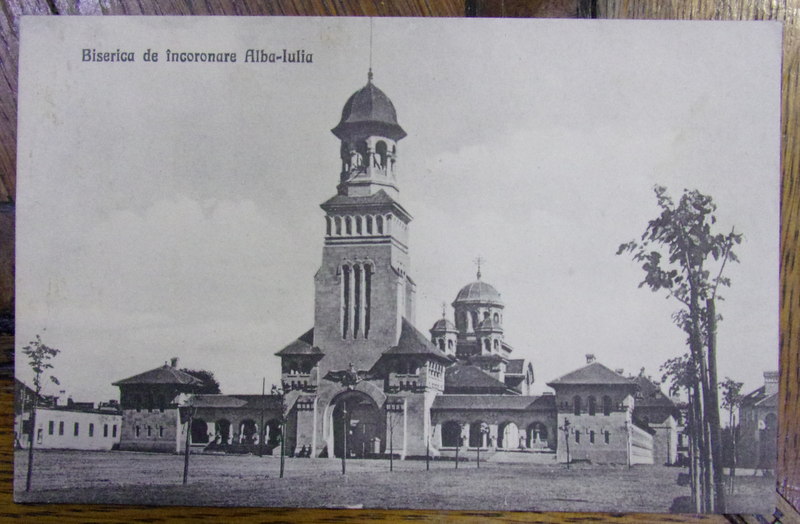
(328, 226)
(368, 218)
(358, 225)
(338, 225)
(485, 315)
(591, 437)
(379, 224)
(348, 226)
(486, 345)
(606, 405)
(441, 344)
(451, 434)
(497, 318)
(496, 345)
(577, 436)
(607, 436)
(592, 406)
(450, 344)
(382, 151)
(576, 404)
(474, 319)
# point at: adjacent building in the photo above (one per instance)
(757, 445)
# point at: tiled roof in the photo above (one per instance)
(494, 402)
(302, 346)
(759, 397)
(594, 373)
(236, 401)
(412, 342)
(650, 395)
(770, 401)
(464, 377)
(163, 375)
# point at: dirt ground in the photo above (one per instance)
(217, 480)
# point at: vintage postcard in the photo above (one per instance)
(398, 263)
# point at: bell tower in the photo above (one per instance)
(362, 289)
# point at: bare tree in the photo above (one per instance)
(39, 356)
(731, 400)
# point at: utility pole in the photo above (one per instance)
(391, 441)
(344, 436)
(565, 429)
(458, 446)
(190, 413)
(261, 425)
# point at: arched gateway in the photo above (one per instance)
(358, 415)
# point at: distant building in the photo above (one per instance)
(149, 404)
(658, 412)
(757, 445)
(64, 424)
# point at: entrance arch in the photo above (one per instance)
(357, 414)
(508, 436)
(248, 432)
(476, 437)
(222, 429)
(451, 434)
(199, 431)
(273, 435)
(537, 436)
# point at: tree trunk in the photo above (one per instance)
(698, 356)
(31, 437)
(713, 407)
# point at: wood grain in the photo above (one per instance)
(787, 11)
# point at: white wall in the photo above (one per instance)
(52, 419)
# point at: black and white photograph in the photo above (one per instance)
(460, 264)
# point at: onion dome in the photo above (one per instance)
(369, 111)
(489, 324)
(443, 325)
(478, 292)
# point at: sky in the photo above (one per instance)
(172, 209)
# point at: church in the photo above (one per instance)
(366, 381)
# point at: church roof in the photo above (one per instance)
(493, 402)
(478, 292)
(467, 378)
(594, 373)
(165, 374)
(515, 366)
(379, 199)
(369, 108)
(444, 325)
(304, 345)
(488, 324)
(412, 342)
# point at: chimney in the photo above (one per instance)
(589, 358)
(174, 362)
(770, 382)
(619, 371)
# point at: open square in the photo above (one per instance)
(247, 480)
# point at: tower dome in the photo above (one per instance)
(478, 292)
(443, 325)
(369, 111)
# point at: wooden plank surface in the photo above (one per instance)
(786, 11)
